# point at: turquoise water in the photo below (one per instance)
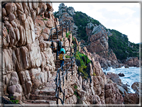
(132, 74)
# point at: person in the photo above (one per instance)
(61, 58)
(59, 46)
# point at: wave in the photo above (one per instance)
(132, 74)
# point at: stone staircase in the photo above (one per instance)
(44, 96)
(57, 64)
(54, 36)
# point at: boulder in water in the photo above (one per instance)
(121, 74)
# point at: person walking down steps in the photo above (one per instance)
(61, 58)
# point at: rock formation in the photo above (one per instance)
(132, 61)
(28, 67)
(66, 14)
(27, 59)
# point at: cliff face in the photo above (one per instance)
(28, 62)
(66, 14)
(98, 45)
(109, 44)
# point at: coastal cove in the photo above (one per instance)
(132, 74)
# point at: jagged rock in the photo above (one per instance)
(112, 95)
(131, 98)
(136, 87)
(115, 78)
(132, 61)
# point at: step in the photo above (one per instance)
(42, 97)
(47, 91)
(40, 102)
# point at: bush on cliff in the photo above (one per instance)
(82, 60)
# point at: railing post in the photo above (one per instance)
(57, 32)
(86, 59)
(51, 34)
(71, 66)
(66, 74)
(64, 96)
(57, 87)
(69, 25)
(62, 75)
(70, 51)
(52, 46)
(59, 80)
(62, 30)
(66, 27)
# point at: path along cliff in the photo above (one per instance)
(110, 47)
(29, 65)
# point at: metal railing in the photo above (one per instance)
(59, 78)
(67, 24)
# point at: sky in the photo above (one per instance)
(124, 17)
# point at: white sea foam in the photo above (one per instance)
(132, 74)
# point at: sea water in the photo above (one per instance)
(132, 74)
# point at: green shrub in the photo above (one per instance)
(67, 56)
(45, 19)
(75, 93)
(94, 74)
(75, 86)
(67, 34)
(82, 67)
(73, 38)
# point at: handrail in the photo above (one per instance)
(60, 30)
(59, 78)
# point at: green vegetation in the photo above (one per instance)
(76, 93)
(7, 30)
(121, 46)
(75, 86)
(83, 64)
(73, 38)
(67, 56)
(14, 101)
(45, 19)
(81, 20)
(94, 74)
(117, 42)
(67, 34)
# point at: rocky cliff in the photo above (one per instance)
(110, 45)
(29, 63)
(66, 14)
